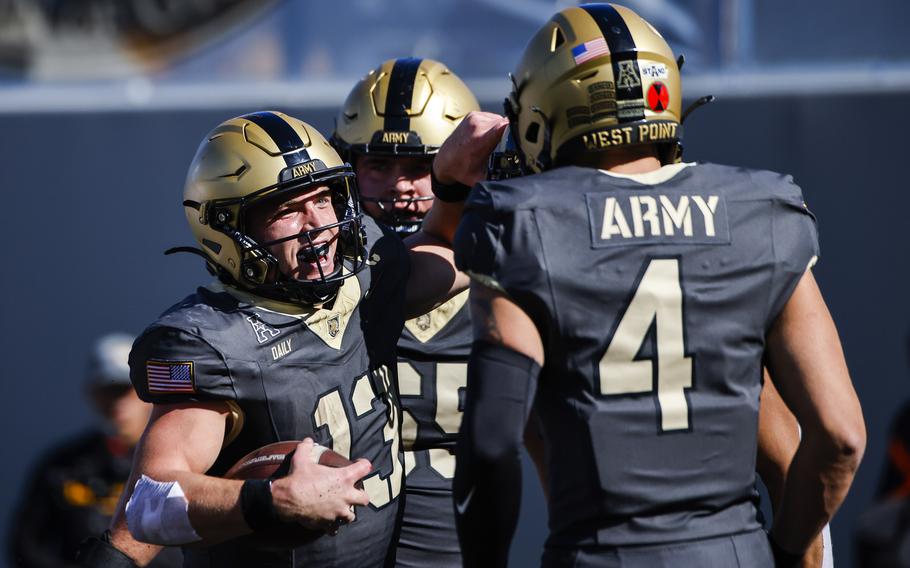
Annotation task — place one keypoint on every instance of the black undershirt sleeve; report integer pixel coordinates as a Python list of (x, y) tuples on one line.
[(487, 486)]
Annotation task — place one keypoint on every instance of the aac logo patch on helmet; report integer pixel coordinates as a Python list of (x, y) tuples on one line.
[(628, 75)]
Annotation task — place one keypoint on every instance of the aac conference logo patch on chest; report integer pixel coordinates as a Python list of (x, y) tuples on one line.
[(263, 332)]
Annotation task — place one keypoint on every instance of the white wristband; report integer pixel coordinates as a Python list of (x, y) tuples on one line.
[(158, 513)]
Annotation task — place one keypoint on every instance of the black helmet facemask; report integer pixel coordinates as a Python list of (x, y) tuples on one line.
[(259, 270)]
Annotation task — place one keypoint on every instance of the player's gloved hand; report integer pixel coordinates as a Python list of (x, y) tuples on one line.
[(316, 496), (464, 156), (97, 552)]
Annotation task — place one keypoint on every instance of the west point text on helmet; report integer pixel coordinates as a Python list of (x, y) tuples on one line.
[(638, 134)]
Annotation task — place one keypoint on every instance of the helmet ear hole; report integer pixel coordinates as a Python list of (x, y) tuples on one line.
[(532, 132), (557, 40)]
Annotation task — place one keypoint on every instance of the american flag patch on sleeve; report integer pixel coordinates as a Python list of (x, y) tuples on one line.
[(170, 376)]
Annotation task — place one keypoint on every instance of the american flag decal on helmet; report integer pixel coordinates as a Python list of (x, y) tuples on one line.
[(170, 376), (589, 50)]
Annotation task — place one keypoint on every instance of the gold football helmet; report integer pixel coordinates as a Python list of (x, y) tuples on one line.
[(594, 77), (257, 157), (404, 107)]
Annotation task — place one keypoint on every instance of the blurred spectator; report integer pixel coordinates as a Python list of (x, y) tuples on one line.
[(883, 531), (75, 487)]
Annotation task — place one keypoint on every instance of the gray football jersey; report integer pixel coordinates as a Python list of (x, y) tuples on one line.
[(432, 373), (327, 374), (653, 302)]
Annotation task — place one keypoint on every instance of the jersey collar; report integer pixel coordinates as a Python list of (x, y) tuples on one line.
[(662, 175), (328, 323)]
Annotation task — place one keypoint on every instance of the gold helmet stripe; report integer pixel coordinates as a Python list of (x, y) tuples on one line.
[(400, 93), (624, 58), (285, 137)]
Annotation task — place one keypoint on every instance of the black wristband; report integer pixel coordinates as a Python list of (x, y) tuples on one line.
[(256, 504), (448, 192), (97, 552), (784, 558)]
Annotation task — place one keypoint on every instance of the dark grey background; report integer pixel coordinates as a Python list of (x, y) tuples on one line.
[(83, 240)]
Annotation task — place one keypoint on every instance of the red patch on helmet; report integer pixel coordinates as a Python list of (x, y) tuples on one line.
[(658, 97)]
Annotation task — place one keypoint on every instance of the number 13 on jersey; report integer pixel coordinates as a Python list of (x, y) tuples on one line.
[(657, 302)]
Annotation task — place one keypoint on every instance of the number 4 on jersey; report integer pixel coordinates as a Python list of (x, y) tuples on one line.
[(657, 301)]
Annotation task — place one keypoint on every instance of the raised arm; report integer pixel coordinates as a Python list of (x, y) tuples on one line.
[(805, 358), (461, 161)]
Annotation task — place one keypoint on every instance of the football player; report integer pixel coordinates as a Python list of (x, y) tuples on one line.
[(296, 340), (638, 296), (390, 128)]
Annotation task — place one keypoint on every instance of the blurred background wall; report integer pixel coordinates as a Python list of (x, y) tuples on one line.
[(103, 102)]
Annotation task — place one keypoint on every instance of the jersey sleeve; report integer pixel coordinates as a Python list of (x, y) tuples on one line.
[(478, 247), (392, 247), (795, 242), (383, 305), (169, 365), (498, 244)]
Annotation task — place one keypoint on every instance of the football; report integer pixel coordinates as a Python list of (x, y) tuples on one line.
[(272, 462)]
